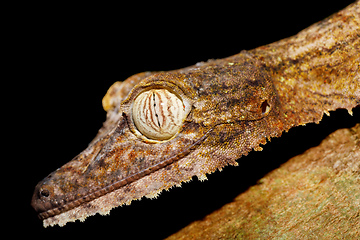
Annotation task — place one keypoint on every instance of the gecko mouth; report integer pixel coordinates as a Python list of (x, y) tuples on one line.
[(49, 209)]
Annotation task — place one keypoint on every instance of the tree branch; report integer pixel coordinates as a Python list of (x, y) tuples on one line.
[(313, 195)]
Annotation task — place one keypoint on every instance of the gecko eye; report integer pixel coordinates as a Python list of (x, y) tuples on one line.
[(158, 114)]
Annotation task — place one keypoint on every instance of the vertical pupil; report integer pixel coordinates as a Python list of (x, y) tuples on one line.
[(156, 115)]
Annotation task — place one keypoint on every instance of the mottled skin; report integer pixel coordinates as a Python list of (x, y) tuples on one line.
[(234, 105)]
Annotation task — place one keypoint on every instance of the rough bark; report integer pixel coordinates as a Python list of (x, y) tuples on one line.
[(315, 195)]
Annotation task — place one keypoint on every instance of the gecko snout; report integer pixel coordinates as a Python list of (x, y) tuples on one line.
[(44, 199), (41, 199)]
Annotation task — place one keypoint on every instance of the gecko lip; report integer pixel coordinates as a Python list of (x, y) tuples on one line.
[(46, 205)]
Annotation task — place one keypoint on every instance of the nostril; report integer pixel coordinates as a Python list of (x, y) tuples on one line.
[(44, 193)]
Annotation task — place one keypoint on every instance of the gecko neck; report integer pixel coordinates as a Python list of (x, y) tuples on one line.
[(317, 65)]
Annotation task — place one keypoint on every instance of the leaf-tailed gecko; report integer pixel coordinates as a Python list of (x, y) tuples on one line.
[(163, 128)]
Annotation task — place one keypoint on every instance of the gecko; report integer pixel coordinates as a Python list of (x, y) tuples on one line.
[(164, 128)]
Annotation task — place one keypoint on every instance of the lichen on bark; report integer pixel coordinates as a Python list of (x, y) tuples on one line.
[(315, 195)]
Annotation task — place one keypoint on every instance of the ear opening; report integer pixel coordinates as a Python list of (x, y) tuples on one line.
[(265, 107)]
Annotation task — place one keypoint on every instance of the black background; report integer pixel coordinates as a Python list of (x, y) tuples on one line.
[(67, 56)]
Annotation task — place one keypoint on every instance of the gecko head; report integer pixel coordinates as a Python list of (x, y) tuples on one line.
[(147, 133), (170, 127)]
